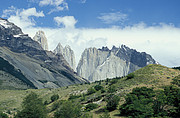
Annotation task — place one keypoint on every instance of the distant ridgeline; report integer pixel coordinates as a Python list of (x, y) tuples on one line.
[(176, 68)]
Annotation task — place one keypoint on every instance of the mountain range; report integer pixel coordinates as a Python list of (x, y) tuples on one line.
[(99, 64), (27, 63)]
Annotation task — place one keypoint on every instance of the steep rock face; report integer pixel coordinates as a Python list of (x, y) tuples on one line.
[(67, 53), (98, 64), (27, 61), (41, 39), (90, 60)]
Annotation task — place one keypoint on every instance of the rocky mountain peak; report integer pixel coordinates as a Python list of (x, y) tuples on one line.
[(41, 39), (9, 28), (98, 64), (30, 65), (68, 47), (104, 49), (4, 23), (58, 49), (67, 53)]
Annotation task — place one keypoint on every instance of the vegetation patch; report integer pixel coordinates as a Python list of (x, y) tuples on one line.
[(148, 94)]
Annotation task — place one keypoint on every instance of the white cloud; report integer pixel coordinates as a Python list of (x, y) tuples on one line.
[(66, 21), (162, 42), (7, 12), (114, 17), (22, 17), (58, 5), (31, 12), (83, 1)]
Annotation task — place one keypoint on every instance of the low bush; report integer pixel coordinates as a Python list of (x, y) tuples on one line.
[(3, 115), (112, 103), (54, 97), (98, 87), (91, 106), (130, 76), (74, 96), (91, 91)]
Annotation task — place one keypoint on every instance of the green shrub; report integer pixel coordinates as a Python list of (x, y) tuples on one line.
[(178, 68), (98, 87), (112, 89), (139, 103), (54, 97), (46, 102), (113, 103), (176, 81), (83, 97), (33, 107), (3, 115), (103, 90), (91, 91), (74, 96), (91, 106), (68, 110), (113, 81), (144, 102), (130, 76), (56, 105)]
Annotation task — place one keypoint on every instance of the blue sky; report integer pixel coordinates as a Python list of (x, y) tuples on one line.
[(150, 12), (152, 26)]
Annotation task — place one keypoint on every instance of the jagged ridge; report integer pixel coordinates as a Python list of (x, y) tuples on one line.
[(67, 53), (42, 68), (98, 64)]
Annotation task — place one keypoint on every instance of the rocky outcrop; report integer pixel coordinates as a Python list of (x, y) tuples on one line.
[(67, 53), (23, 59), (99, 64), (41, 39)]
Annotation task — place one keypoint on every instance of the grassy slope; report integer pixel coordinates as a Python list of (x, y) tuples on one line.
[(154, 76)]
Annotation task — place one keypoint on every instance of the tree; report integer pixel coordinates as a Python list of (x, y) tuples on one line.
[(173, 98), (160, 102), (68, 110), (139, 103), (98, 87), (144, 102), (113, 81), (54, 97), (3, 115), (113, 103), (176, 81), (32, 107), (91, 91), (91, 106), (112, 89), (130, 76), (73, 96)]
